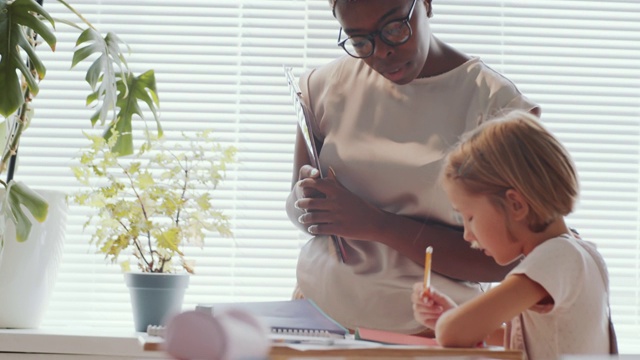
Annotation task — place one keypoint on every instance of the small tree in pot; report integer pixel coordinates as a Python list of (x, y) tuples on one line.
[(151, 205), (156, 201)]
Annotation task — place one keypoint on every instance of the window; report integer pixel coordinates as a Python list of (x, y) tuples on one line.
[(219, 65)]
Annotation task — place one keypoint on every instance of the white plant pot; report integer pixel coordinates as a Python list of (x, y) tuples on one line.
[(28, 270)]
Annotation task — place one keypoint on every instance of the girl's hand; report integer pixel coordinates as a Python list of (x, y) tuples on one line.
[(338, 212), (428, 307)]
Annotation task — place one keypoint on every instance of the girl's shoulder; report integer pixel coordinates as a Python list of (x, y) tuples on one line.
[(562, 265), (555, 250)]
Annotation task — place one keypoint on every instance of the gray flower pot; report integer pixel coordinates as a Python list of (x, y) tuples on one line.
[(155, 297)]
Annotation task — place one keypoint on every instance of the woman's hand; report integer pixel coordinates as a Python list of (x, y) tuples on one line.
[(301, 188), (429, 306), (338, 211)]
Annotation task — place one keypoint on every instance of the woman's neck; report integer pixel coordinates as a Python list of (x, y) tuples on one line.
[(442, 58)]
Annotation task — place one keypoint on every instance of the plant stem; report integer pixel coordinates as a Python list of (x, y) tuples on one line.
[(77, 13), (14, 138), (146, 217), (12, 166), (18, 127), (137, 244), (183, 195)]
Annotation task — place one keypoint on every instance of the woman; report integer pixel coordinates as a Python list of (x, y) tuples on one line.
[(385, 114)]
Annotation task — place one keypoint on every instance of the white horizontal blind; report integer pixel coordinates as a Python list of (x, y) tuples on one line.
[(219, 66)]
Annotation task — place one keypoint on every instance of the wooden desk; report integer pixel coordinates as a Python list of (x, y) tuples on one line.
[(283, 352), (389, 353), (95, 345)]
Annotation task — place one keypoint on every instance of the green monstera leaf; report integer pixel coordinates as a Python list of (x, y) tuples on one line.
[(102, 73), (16, 17), (115, 88), (131, 90), (18, 195)]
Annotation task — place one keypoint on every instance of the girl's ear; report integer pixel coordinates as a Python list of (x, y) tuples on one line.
[(517, 207)]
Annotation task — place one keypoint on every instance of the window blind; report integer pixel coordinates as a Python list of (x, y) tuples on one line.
[(219, 66)]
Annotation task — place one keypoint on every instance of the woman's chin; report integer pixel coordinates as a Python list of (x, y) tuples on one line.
[(399, 76)]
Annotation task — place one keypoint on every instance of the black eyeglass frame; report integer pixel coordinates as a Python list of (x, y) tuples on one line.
[(371, 36)]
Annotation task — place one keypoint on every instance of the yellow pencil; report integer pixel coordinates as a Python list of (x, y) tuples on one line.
[(427, 269)]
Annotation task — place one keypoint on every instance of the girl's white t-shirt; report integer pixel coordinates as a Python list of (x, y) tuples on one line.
[(577, 322)]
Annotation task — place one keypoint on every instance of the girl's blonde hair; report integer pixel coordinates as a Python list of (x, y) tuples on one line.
[(516, 152)]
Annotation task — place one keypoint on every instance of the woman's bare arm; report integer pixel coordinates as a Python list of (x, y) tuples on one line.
[(356, 219), (452, 255)]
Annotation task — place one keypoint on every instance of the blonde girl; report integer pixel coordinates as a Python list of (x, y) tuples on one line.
[(512, 183)]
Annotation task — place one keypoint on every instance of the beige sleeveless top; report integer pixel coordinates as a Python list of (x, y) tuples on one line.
[(386, 142)]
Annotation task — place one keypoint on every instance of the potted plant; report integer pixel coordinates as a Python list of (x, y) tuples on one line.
[(150, 206), (115, 92)]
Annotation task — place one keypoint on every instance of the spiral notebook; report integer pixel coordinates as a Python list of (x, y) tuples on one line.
[(294, 317)]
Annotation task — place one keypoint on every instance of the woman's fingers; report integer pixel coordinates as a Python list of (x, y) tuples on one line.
[(305, 187), (308, 171)]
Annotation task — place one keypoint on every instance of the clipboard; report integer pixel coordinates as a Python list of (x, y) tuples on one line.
[(303, 115)]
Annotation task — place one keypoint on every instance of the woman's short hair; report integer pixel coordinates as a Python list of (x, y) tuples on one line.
[(333, 3), (516, 152)]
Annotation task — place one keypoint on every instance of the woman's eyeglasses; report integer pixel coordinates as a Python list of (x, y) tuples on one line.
[(393, 33)]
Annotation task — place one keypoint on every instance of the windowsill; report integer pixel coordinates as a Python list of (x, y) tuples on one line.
[(77, 341)]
